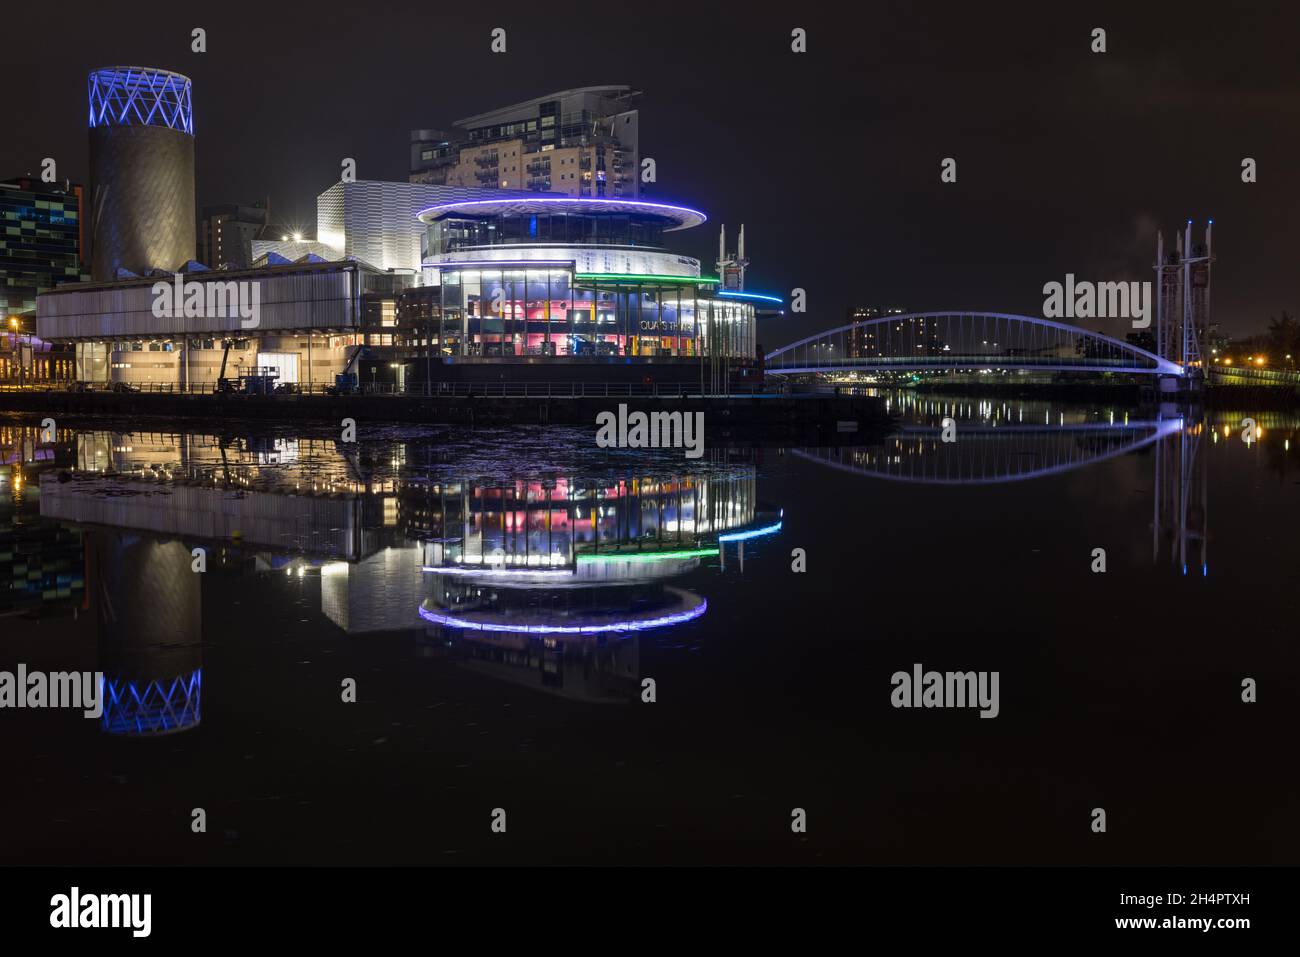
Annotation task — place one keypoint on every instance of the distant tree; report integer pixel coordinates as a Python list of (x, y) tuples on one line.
[(1283, 338)]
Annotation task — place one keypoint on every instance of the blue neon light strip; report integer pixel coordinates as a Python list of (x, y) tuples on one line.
[(762, 297), (451, 621), (753, 533)]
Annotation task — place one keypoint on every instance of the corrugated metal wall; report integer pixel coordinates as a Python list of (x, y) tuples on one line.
[(294, 301), (323, 527)]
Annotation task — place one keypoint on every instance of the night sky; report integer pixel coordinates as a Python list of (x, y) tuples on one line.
[(1067, 160)]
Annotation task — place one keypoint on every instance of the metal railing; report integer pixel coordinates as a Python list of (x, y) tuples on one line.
[(1247, 374), (459, 390)]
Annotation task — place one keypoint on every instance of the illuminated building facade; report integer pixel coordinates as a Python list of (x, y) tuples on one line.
[(42, 244), (42, 240), (548, 279), (142, 171), (313, 319)]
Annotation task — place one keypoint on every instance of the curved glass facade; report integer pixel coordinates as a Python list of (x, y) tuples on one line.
[(522, 311), (458, 233), (570, 280)]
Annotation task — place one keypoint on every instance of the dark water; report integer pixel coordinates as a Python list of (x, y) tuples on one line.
[(445, 572)]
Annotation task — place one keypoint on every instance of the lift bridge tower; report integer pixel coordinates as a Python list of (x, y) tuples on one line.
[(1183, 300)]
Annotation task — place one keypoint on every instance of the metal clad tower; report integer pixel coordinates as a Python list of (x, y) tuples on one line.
[(141, 170)]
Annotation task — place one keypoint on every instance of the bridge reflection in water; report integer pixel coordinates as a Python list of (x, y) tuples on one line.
[(984, 454), (989, 452)]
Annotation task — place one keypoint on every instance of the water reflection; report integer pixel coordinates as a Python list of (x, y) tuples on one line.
[(545, 578), (555, 578), (989, 454), (532, 557), (148, 605), (549, 582), (997, 441)]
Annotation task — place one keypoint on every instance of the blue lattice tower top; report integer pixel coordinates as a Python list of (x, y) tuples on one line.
[(140, 96)]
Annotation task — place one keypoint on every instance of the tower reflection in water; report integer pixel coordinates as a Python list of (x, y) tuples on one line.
[(548, 579), (148, 606), (545, 580)]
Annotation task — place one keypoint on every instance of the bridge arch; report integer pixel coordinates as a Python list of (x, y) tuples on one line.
[(915, 341), (991, 455)]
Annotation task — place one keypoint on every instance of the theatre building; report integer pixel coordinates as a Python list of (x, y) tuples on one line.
[(538, 288), (567, 288)]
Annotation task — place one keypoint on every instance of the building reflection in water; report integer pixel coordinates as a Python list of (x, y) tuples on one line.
[(42, 563), (550, 583), (546, 581)]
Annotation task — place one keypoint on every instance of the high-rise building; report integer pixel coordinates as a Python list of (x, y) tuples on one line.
[(141, 171), (226, 234), (580, 142), (42, 244), (42, 240), (919, 334)]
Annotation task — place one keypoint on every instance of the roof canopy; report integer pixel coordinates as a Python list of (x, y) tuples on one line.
[(675, 217)]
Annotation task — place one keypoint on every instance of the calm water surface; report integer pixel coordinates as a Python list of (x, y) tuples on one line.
[(500, 596)]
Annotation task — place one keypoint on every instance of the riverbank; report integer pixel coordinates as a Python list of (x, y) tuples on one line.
[(1121, 393), (807, 419), (1102, 393)]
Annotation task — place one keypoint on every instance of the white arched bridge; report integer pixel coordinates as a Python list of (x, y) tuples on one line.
[(944, 341)]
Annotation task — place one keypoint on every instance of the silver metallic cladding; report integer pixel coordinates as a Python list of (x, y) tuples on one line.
[(142, 199), (318, 300)]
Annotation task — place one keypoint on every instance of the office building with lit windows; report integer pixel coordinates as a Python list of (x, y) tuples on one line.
[(42, 240), (226, 234), (42, 243)]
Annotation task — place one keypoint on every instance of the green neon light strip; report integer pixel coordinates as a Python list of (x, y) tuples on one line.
[(633, 277), (650, 556)]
